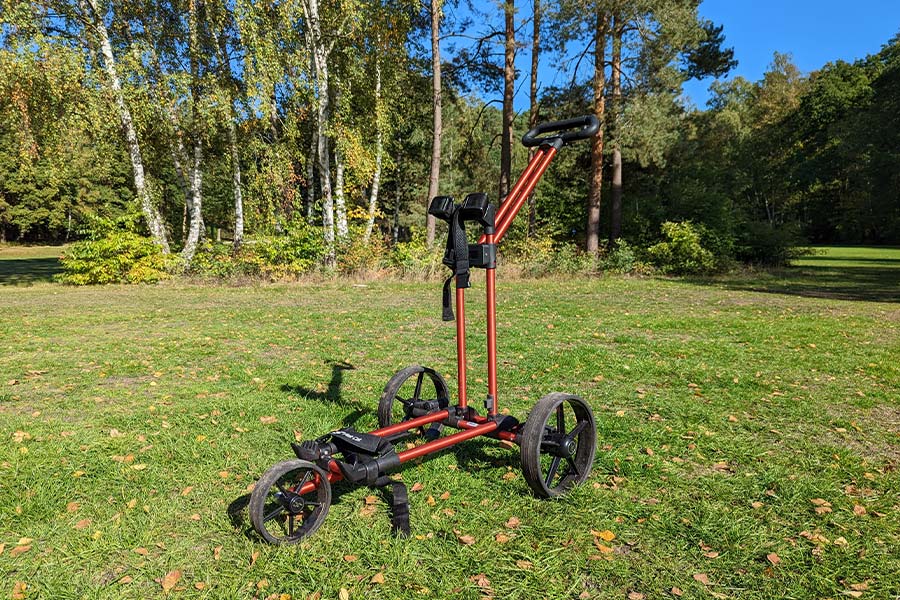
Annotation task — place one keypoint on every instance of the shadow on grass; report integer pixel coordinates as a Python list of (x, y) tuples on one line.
[(859, 283), (27, 271), (332, 393)]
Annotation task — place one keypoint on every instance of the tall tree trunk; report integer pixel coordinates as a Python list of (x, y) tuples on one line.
[(509, 88), (379, 151), (434, 177), (340, 204), (238, 238), (236, 185), (320, 59), (311, 178), (195, 208), (533, 100), (615, 220), (592, 241), (151, 215)]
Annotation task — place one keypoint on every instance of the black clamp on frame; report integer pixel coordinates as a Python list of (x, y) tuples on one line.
[(459, 255)]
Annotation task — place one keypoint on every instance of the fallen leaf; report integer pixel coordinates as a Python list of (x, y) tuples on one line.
[(732, 419), (466, 540), (853, 593), (19, 550), (512, 523), (859, 510), (262, 584), (199, 586), (126, 580), (224, 474), (187, 490), (351, 558), (194, 517), (676, 591), (702, 578), (371, 499), (268, 420), (115, 433), (756, 504), (603, 549), (2, 548), (18, 591), (82, 524), (501, 538), (343, 594), (509, 475), (859, 587), (139, 467), (841, 541), (377, 578), (253, 558), (445, 496), (170, 580), (773, 558), (606, 535), (72, 507), (635, 596), (417, 487), (524, 564), (141, 551), (430, 501), (822, 510), (217, 552), (820, 502), (711, 554)]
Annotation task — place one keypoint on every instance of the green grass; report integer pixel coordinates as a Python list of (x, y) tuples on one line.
[(25, 265), (722, 413)]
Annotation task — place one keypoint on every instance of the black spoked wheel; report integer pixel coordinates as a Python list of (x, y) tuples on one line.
[(558, 444), (406, 387), (281, 511)]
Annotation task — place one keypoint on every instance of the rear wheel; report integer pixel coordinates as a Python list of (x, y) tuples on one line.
[(558, 443), (406, 387), (281, 511)]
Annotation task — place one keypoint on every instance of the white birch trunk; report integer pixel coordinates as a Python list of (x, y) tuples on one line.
[(340, 205), (152, 216), (320, 59), (379, 151), (311, 179), (236, 183), (195, 206), (434, 177)]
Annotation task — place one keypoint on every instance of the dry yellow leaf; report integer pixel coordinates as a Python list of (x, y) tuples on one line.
[(606, 535), (430, 501), (445, 496), (513, 522), (187, 490), (217, 552), (268, 420), (377, 578), (466, 540), (524, 564), (82, 524), (126, 580), (351, 557), (199, 586), (343, 594), (417, 487), (18, 591), (702, 578), (677, 591), (141, 551), (773, 558), (72, 506), (859, 510), (501, 538), (19, 550), (170, 580)]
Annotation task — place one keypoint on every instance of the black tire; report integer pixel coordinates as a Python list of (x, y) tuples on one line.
[(275, 515), (560, 431), (392, 408)]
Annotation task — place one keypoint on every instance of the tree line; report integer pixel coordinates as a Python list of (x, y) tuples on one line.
[(220, 120)]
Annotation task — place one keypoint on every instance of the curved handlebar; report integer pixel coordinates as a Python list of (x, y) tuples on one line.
[(588, 123)]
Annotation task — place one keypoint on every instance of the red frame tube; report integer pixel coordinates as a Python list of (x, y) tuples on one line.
[(491, 293), (447, 441), (461, 346)]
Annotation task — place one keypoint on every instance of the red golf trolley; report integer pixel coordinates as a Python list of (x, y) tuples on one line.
[(557, 441)]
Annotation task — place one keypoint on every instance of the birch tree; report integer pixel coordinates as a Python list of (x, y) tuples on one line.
[(437, 121)]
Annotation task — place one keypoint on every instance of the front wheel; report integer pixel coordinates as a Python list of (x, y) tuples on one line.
[(290, 502), (558, 444)]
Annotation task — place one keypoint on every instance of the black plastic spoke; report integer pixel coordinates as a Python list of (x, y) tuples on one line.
[(290, 524), (577, 429), (418, 391), (573, 466), (306, 476), (560, 420), (273, 514), (554, 467)]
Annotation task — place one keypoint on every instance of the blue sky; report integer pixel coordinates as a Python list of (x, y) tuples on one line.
[(814, 32)]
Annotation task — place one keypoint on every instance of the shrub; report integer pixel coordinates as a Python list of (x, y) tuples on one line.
[(621, 259), (761, 243), (116, 257), (413, 258), (682, 252), (296, 251), (357, 257)]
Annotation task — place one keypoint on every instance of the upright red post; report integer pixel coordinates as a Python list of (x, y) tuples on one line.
[(461, 346), (491, 333)]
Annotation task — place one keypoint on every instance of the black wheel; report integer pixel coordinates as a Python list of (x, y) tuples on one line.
[(407, 386), (558, 444), (279, 512)]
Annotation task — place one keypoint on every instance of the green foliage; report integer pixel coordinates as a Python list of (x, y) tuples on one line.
[(115, 257), (761, 243), (623, 258), (682, 252), (414, 258), (298, 250)]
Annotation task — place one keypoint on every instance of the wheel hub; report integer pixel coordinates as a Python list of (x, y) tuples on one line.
[(567, 447), (293, 503)]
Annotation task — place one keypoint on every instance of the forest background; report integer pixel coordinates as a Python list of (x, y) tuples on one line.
[(275, 138)]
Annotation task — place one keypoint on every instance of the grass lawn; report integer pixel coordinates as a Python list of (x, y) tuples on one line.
[(749, 438)]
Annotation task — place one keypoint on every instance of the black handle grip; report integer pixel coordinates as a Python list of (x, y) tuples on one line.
[(589, 126)]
